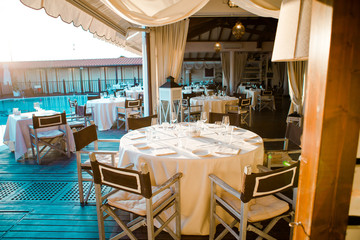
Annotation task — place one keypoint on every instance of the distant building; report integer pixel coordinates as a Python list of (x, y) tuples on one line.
[(68, 76)]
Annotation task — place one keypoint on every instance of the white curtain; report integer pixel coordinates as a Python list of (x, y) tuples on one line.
[(155, 12), (167, 53), (240, 60), (264, 8), (297, 72), (225, 64)]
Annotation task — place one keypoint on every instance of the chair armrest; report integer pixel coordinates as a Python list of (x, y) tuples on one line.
[(262, 168), (168, 183), (109, 140), (224, 185), (128, 166), (98, 152), (275, 139)]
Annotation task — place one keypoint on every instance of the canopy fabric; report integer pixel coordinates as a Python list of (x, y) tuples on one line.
[(264, 8), (154, 13), (92, 16), (225, 63)]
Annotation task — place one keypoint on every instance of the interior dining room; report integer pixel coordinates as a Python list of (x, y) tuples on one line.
[(183, 146)]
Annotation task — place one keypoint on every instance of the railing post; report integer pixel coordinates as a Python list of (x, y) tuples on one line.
[(64, 85), (99, 83)]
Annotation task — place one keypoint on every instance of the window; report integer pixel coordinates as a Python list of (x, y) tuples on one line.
[(209, 72)]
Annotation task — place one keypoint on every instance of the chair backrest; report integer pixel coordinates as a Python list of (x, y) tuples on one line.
[(266, 93), (136, 123), (49, 121), (80, 110), (129, 180), (85, 136), (185, 102), (245, 102), (293, 133), (267, 183), (93, 97), (132, 103), (235, 118)]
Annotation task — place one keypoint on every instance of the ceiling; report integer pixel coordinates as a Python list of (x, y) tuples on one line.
[(208, 30)]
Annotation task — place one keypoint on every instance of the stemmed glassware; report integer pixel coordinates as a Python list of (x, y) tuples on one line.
[(226, 121), (173, 118), (37, 106)]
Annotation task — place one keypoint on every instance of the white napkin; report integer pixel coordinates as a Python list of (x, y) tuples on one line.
[(135, 135), (164, 151), (227, 151)]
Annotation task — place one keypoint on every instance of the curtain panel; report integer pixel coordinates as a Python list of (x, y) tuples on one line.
[(240, 60), (167, 53), (297, 72), (225, 64)]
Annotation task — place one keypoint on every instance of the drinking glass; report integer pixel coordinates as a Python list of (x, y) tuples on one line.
[(173, 118), (203, 117), (226, 121), (37, 106)]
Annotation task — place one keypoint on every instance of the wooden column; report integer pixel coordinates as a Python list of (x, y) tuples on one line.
[(332, 119)]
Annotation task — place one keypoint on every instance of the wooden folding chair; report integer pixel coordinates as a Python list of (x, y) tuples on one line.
[(47, 133), (255, 202), (132, 108), (86, 142), (133, 193)]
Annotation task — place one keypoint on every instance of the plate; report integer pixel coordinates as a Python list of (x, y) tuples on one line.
[(201, 152)]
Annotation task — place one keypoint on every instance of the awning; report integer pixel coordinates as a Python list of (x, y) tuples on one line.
[(95, 17)]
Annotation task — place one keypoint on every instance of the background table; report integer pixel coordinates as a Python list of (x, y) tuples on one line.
[(213, 103), (134, 93), (104, 111), (195, 184), (17, 135)]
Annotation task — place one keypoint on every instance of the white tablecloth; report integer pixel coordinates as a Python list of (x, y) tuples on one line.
[(104, 111), (214, 104), (17, 135), (253, 94), (134, 93), (195, 184)]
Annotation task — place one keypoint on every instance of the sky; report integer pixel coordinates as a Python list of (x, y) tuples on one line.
[(32, 35)]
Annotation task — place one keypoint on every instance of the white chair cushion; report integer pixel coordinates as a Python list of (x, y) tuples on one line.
[(50, 134), (261, 208), (136, 203), (103, 158)]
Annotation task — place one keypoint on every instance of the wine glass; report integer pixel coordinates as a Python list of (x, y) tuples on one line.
[(226, 121), (173, 118)]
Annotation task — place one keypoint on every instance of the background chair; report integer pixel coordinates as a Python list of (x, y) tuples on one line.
[(81, 118), (280, 150), (86, 141), (266, 100), (133, 193), (136, 123), (235, 119), (132, 108), (54, 137), (244, 109), (191, 112), (255, 203)]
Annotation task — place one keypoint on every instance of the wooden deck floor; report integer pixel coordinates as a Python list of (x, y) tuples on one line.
[(41, 201)]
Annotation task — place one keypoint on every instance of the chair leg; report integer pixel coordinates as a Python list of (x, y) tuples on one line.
[(100, 216), (150, 219), (212, 209)]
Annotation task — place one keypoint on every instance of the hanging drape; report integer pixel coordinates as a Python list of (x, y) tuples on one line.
[(297, 79), (155, 12), (167, 53), (264, 8), (225, 64), (240, 60), (278, 69)]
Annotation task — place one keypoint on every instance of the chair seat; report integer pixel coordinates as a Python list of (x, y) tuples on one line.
[(131, 113), (261, 208), (278, 157), (73, 124), (50, 134), (136, 203), (103, 158)]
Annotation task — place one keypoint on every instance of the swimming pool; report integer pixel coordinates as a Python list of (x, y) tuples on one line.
[(56, 103)]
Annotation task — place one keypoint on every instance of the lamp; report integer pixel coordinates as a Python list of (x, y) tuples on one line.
[(238, 30), (217, 47)]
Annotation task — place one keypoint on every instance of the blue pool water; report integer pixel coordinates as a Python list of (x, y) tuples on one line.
[(56, 103)]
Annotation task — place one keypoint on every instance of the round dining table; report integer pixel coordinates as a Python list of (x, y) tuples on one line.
[(213, 103), (104, 111), (196, 151)]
